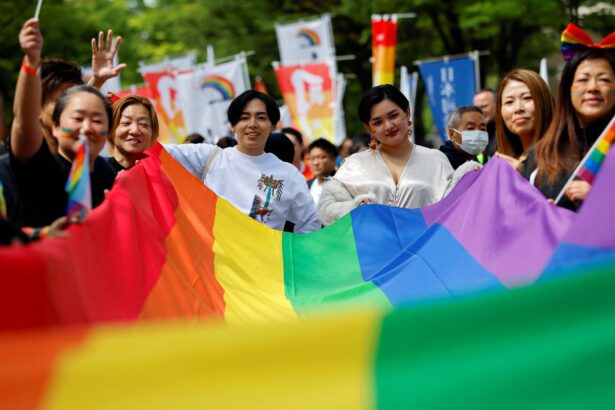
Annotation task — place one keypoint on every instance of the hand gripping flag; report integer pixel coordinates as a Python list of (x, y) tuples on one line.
[(590, 165)]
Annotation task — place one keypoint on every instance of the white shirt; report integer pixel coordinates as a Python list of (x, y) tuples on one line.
[(423, 181), (316, 189), (262, 186)]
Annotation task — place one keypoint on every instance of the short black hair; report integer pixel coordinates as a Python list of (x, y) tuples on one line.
[(65, 97), (279, 145), (326, 146), (226, 142), (376, 95), (194, 138), (294, 132), (237, 106), (55, 73)]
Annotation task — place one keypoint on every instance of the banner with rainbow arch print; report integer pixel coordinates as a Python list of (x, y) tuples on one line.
[(206, 93), (306, 41)]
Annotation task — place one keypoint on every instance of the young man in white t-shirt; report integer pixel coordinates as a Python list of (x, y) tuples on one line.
[(255, 182)]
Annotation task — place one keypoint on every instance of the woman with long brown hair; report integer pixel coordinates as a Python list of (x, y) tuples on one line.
[(585, 105), (524, 109)]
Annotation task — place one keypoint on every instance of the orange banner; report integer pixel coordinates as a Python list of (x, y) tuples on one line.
[(163, 88), (384, 41), (307, 91)]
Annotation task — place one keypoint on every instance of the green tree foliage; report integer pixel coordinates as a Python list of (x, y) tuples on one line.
[(514, 32)]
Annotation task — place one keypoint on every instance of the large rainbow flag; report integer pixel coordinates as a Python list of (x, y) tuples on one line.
[(163, 246)]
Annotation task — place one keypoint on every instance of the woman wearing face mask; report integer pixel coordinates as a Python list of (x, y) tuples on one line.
[(467, 132), (394, 171), (41, 175), (585, 105), (524, 109)]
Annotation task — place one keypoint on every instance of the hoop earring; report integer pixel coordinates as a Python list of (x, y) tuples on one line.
[(372, 144)]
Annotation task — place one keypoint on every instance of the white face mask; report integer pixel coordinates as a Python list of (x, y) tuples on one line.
[(473, 141)]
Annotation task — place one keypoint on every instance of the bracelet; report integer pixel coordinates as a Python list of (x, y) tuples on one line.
[(31, 71)]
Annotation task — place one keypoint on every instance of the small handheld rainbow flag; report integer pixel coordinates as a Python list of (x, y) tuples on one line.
[(78, 183), (590, 165), (596, 155)]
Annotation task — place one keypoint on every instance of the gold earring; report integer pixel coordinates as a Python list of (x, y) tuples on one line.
[(373, 144)]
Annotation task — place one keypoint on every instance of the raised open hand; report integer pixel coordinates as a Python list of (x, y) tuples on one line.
[(31, 42), (103, 53)]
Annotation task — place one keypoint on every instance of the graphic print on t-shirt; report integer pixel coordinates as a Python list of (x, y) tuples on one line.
[(261, 208)]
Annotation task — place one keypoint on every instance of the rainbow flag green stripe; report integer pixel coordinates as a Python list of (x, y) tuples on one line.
[(305, 276)]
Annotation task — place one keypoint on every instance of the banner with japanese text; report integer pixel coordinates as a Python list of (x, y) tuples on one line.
[(384, 41), (305, 42), (307, 91), (449, 83), (205, 94)]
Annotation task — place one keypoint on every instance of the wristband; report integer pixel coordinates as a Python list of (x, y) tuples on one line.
[(31, 71), (36, 233)]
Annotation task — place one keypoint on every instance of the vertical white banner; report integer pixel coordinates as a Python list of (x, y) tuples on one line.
[(168, 64), (338, 109), (305, 42), (206, 93)]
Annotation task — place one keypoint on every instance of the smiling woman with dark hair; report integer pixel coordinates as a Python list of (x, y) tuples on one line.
[(40, 174), (585, 105), (394, 171), (257, 183), (524, 109)]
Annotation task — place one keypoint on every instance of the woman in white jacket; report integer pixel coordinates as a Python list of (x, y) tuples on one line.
[(394, 171)]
